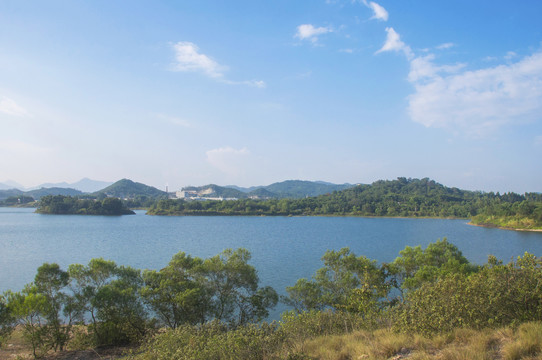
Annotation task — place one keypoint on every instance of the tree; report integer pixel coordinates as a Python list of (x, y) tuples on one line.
[(174, 294), (28, 307), (7, 320), (232, 285), (340, 283), (50, 282), (110, 295), (416, 266)]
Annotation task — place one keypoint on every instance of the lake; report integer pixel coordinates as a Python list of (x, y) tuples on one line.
[(283, 249)]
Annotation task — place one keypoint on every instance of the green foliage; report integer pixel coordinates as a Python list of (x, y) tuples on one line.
[(214, 341), (29, 308), (345, 282), (416, 266), (49, 282), (117, 299), (401, 197), (109, 294), (497, 295), (233, 288), (526, 214), (7, 321), (298, 326), (174, 293), (128, 189), (70, 205), (17, 200)]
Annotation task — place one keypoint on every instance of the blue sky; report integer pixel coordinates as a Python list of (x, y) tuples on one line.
[(254, 92)]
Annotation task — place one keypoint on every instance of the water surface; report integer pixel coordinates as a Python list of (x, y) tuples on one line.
[(283, 249)]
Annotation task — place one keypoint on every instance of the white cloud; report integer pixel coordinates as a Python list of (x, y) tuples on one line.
[(189, 58), (475, 102), (379, 12), (422, 67), (10, 107), (394, 43), (228, 160), (311, 33)]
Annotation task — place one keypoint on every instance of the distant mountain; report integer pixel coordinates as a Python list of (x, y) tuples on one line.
[(38, 193), (128, 189), (10, 184), (89, 186), (85, 185), (262, 193), (5, 187), (284, 189), (301, 188), (4, 194), (244, 189)]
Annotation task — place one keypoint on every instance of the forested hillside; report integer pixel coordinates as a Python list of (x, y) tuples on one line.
[(398, 198), (67, 205), (129, 189)]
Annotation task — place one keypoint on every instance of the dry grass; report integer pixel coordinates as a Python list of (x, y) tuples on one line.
[(522, 343), (462, 344)]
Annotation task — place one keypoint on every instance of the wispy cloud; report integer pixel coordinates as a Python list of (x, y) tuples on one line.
[(394, 43), (379, 13), (188, 58), (510, 55), (10, 107), (254, 83), (445, 46), (478, 101), (227, 159), (311, 33), (174, 120)]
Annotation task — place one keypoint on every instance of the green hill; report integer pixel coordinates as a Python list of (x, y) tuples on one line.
[(302, 188), (39, 193), (4, 194), (128, 189), (294, 189)]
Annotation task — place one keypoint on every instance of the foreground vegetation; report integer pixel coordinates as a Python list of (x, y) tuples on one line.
[(426, 303), (399, 198)]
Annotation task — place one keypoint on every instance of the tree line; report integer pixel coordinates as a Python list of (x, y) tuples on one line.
[(68, 205), (121, 305)]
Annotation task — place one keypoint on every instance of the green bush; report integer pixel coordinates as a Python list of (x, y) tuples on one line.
[(214, 340), (497, 295)]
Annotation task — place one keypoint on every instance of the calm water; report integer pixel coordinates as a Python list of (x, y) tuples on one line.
[(283, 249)]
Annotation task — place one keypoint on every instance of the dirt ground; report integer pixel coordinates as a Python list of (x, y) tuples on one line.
[(18, 351)]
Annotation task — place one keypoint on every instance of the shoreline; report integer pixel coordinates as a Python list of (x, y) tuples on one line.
[(491, 226)]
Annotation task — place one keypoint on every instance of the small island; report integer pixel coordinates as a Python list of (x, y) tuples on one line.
[(68, 205)]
